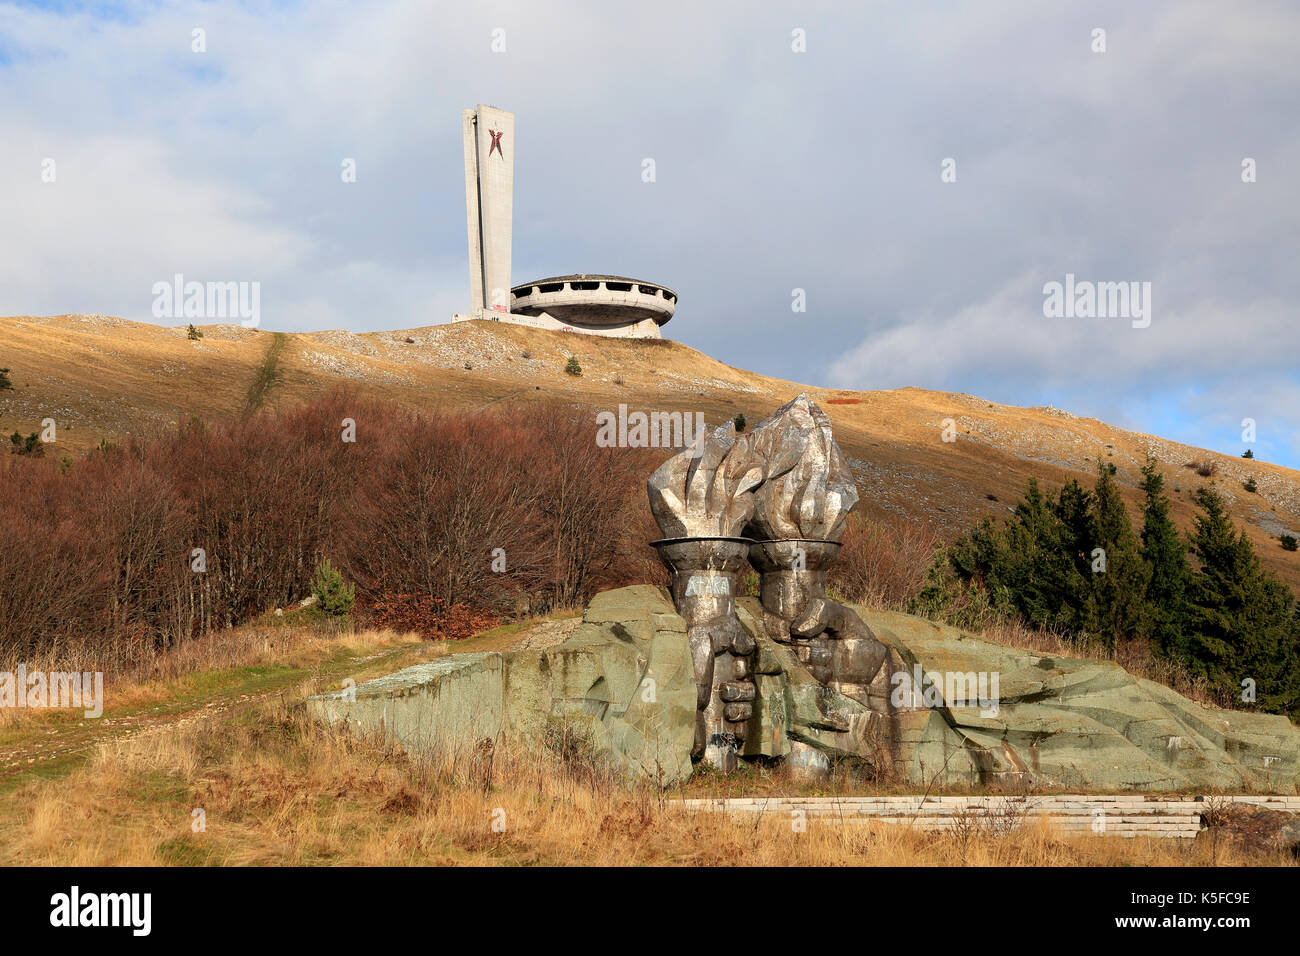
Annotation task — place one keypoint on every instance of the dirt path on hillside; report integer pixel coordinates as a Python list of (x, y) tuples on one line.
[(80, 739), (47, 750), (267, 374)]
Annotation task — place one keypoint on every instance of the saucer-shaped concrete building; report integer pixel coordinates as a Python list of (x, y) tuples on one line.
[(603, 304), (590, 303)]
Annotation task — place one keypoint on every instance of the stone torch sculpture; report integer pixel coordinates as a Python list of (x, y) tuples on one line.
[(798, 521), (701, 498), (778, 495)]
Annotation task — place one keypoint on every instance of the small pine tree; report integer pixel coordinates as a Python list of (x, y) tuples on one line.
[(1030, 566), (334, 598), (1114, 607), (31, 445), (1073, 509), (193, 333), (740, 422), (1247, 454), (1243, 619), (573, 367), (1166, 560), (4, 380)]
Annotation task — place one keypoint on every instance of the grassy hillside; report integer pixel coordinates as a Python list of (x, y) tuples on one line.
[(215, 762), (99, 376)]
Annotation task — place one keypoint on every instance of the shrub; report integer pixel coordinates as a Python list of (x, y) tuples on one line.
[(740, 422), (573, 367), (31, 445), (4, 380), (1249, 485), (1247, 454), (883, 564), (1289, 542), (430, 617), (442, 491), (1207, 469), (113, 583), (193, 334), (95, 559), (334, 598)]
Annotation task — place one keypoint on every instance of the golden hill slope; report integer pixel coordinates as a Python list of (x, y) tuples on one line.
[(98, 376)]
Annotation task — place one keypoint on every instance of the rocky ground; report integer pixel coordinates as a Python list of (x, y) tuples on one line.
[(547, 634)]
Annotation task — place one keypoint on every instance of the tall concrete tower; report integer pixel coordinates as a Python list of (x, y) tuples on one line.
[(591, 303), (489, 204)]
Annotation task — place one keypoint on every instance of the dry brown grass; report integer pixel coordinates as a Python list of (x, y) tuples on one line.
[(277, 789), (171, 673)]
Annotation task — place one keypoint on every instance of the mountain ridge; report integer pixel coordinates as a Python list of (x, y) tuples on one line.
[(101, 376)]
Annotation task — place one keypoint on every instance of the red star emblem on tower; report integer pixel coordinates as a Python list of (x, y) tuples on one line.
[(496, 143)]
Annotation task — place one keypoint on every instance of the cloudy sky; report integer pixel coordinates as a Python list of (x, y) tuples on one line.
[(775, 170)]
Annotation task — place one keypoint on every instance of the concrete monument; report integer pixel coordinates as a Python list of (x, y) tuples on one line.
[(662, 681), (595, 304), (778, 496)]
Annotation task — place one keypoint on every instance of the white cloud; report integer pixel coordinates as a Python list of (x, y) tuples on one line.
[(776, 170)]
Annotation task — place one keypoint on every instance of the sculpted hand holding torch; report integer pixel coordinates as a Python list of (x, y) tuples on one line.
[(779, 495)]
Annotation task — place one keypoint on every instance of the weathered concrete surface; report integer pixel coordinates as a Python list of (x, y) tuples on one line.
[(1066, 722), (1255, 823), (626, 674), (624, 678), (1055, 722), (596, 303), (463, 691), (489, 135)]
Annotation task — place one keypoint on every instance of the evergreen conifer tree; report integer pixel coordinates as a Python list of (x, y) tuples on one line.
[(1165, 555), (1243, 620), (1115, 606)]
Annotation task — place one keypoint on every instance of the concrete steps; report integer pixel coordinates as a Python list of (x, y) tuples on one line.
[(1128, 815)]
